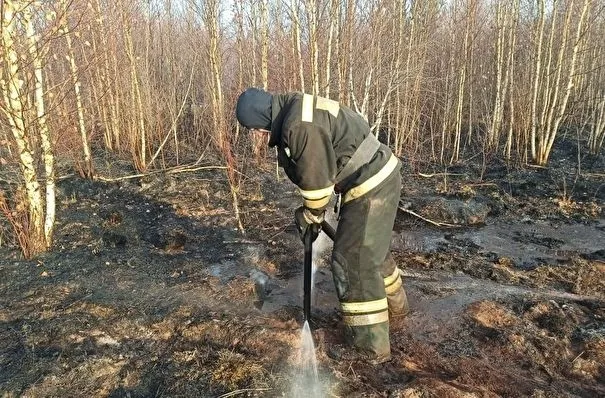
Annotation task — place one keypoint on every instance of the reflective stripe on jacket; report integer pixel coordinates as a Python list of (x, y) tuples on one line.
[(315, 137)]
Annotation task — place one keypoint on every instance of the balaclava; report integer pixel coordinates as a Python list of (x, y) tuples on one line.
[(253, 109)]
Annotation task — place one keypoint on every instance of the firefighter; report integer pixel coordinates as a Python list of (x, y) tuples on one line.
[(326, 148)]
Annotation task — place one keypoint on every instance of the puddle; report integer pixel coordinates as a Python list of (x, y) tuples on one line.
[(290, 293), (438, 300), (275, 293), (528, 245)]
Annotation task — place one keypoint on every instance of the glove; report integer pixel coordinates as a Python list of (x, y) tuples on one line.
[(308, 222)]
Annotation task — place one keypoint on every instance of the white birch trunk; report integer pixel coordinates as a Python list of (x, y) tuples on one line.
[(297, 43), (14, 96), (311, 8), (137, 137), (562, 106), (75, 79), (509, 76), (536, 78), (264, 14), (333, 20), (43, 131)]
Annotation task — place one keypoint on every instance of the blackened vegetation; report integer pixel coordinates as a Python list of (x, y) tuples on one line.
[(150, 290)]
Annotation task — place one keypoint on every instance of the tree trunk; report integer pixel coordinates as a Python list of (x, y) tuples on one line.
[(539, 34), (87, 169), (43, 130), (509, 75), (264, 65), (15, 97), (334, 5), (311, 8), (137, 137), (562, 105), (211, 18), (297, 44)]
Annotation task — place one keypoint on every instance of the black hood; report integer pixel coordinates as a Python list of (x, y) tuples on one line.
[(253, 109)]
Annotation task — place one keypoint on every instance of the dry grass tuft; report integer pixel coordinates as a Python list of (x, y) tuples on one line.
[(233, 370), (492, 315)]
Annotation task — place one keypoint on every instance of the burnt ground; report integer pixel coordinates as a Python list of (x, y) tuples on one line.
[(150, 290)]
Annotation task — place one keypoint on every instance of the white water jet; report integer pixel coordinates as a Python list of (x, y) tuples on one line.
[(307, 349), (320, 247), (305, 379)]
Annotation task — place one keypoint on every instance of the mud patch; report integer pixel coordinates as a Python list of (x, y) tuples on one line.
[(150, 290)]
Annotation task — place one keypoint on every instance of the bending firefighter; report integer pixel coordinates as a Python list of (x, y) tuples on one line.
[(326, 148)]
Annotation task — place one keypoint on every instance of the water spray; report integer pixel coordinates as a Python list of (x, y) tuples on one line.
[(307, 383)]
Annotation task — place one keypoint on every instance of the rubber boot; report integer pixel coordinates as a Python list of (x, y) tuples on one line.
[(370, 342), (398, 303), (365, 315), (393, 284)]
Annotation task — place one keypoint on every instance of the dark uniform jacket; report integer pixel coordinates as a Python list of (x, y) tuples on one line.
[(315, 138)]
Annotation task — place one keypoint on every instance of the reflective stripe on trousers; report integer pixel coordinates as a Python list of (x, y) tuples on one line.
[(361, 246), (393, 282), (364, 313)]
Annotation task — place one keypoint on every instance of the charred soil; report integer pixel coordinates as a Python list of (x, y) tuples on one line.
[(150, 289)]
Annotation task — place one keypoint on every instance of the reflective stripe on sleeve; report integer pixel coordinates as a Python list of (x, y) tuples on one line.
[(317, 193), (366, 319), (307, 108), (365, 306), (316, 203), (373, 181), (318, 198)]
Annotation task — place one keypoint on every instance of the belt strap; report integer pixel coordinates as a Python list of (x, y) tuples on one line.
[(362, 155), (372, 182)]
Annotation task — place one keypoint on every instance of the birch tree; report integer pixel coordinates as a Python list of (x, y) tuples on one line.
[(312, 29), (17, 23), (361, 73), (296, 39), (415, 30), (107, 79), (448, 89), (509, 75), (137, 133), (464, 70), (210, 11), (594, 113), (238, 18), (333, 26), (259, 144), (33, 42), (264, 22), (87, 169), (558, 78), (392, 59)]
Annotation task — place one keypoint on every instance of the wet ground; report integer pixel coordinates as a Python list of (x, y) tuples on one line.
[(151, 290)]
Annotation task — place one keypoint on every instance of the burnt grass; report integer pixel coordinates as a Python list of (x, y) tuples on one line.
[(151, 290)]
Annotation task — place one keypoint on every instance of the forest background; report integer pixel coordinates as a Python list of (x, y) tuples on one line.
[(156, 81)]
